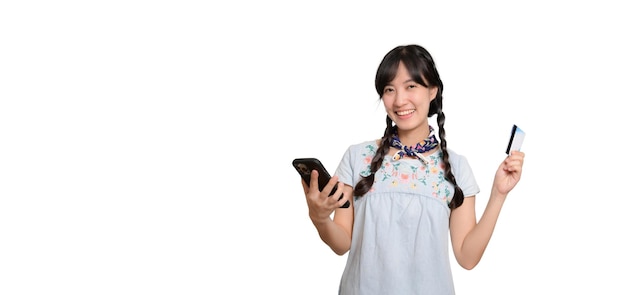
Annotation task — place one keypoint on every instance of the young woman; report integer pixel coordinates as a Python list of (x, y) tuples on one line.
[(408, 190)]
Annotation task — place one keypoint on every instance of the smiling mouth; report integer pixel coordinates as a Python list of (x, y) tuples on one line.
[(404, 113)]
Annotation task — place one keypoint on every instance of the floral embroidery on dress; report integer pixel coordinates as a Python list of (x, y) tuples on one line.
[(402, 174), (367, 158)]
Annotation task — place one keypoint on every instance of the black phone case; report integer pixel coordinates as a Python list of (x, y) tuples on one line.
[(304, 166)]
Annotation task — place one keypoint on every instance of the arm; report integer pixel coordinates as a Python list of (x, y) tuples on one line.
[(336, 232), (469, 238)]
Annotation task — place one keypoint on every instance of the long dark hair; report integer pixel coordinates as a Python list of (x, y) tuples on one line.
[(421, 67)]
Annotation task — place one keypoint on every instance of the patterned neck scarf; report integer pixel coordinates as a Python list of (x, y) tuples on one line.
[(414, 151)]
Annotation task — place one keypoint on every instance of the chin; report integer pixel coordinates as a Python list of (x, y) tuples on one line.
[(411, 125)]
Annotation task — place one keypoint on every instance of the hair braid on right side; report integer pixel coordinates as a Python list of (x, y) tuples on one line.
[(366, 183), (457, 199)]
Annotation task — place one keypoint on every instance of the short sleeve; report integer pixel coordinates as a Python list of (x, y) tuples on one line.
[(464, 175), (345, 170)]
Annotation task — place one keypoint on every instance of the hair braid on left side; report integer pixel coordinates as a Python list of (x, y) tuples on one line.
[(457, 199)]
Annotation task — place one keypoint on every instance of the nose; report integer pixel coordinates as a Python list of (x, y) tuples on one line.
[(400, 98)]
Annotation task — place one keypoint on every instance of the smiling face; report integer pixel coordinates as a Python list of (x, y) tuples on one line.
[(407, 103)]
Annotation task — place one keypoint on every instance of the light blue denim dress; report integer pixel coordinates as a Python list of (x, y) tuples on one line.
[(401, 226)]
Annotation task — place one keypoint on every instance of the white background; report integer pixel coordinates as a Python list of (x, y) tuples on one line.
[(146, 146)]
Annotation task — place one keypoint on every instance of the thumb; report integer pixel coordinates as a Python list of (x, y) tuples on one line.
[(314, 180)]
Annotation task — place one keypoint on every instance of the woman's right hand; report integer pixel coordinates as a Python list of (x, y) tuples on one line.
[(321, 204)]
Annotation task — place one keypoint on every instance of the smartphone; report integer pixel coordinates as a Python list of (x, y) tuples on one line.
[(305, 166), (516, 140)]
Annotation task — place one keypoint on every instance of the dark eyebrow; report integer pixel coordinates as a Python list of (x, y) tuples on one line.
[(407, 81)]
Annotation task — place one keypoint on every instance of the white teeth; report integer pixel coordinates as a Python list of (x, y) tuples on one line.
[(402, 113)]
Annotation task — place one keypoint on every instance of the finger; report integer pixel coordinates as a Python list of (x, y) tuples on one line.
[(338, 192), (314, 180), (329, 189), (513, 168), (513, 165), (517, 155), (339, 196)]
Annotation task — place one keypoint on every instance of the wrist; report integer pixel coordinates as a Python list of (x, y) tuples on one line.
[(319, 221), (498, 196)]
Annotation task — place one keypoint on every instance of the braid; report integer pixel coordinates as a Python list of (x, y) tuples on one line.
[(365, 184), (457, 199)]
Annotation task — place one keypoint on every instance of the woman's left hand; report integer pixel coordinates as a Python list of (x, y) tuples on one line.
[(509, 172)]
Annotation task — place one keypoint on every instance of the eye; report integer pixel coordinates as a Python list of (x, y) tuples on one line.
[(412, 86), (387, 90)]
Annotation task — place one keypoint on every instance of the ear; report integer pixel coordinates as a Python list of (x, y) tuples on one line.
[(432, 92)]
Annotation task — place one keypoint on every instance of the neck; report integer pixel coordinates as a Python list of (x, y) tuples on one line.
[(412, 137)]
